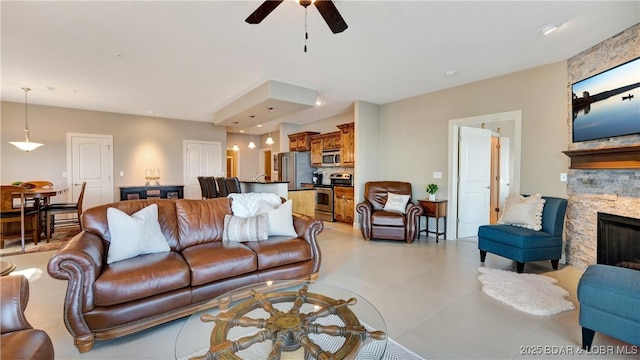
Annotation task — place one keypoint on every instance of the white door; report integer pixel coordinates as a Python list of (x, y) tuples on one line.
[(475, 180), (200, 159), (90, 159)]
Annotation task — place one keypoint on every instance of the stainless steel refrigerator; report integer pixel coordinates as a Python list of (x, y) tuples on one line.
[(295, 167)]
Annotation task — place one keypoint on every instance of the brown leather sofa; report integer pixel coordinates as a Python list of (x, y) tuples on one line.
[(107, 301), (19, 339), (376, 223)]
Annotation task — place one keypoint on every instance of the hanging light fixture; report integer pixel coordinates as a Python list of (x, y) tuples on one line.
[(235, 137), (252, 145), (25, 145), (269, 139)]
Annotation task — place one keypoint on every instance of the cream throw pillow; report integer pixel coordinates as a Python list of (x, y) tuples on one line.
[(240, 229), (134, 235), (396, 202), (523, 211), (280, 220)]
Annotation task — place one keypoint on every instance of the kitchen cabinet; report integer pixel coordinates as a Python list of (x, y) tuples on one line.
[(343, 200), (347, 148), (316, 151), (300, 141), (303, 201), (323, 142)]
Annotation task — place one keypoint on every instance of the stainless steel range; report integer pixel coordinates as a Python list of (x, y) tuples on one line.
[(324, 195)]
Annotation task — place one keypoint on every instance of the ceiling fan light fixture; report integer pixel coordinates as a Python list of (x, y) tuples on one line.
[(26, 145)]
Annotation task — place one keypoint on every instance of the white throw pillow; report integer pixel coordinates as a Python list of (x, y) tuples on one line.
[(238, 228), (248, 204), (280, 220), (134, 235), (523, 211), (396, 202)]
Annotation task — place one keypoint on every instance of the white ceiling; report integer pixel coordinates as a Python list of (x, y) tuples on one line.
[(189, 59)]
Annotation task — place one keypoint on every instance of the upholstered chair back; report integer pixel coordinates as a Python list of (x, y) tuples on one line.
[(376, 192)]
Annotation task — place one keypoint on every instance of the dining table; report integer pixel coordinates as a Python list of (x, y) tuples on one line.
[(40, 197)]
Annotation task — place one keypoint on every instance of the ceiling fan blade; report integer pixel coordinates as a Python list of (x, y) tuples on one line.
[(262, 11), (331, 15)]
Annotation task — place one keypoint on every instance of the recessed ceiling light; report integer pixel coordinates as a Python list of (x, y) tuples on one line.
[(259, 125), (450, 72), (318, 102), (241, 131), (547, 29)]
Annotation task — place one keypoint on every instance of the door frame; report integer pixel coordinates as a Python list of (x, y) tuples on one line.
[(454, 127), (109, 139)]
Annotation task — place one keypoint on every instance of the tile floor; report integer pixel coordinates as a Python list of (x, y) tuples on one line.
[(428, 294)]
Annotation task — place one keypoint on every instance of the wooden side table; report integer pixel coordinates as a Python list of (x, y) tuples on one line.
[(436, 209)]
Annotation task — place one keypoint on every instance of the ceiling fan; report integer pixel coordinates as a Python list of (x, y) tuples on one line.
[(326, 8)]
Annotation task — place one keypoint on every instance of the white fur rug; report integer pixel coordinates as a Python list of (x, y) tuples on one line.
[(531, 293)]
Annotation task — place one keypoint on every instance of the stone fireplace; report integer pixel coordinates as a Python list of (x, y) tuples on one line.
[(611, 190)]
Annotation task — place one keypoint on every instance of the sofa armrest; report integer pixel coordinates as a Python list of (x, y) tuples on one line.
[(308, 229), (365, 209), (81, 263), (14, 295)]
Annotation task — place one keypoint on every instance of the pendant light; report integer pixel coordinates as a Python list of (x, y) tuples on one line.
[(26, 145), (252, 145), (269, 139), (235, 137)]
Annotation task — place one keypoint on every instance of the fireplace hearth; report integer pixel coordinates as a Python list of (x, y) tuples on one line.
[(618, 240)]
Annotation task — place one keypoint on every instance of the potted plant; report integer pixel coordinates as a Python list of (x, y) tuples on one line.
[(431, 190)]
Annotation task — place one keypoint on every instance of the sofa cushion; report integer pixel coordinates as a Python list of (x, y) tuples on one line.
[(201, 221), (140, 277), (94, 220), (219, 260), (517, 236), (387, 218), (280, 250), (280, 220)]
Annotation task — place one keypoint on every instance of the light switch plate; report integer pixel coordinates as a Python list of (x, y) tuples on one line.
[(121, 173), (563, 177), (437, 175)]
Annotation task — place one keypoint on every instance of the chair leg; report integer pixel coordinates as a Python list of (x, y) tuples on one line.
[(519, 267), (483, 256), (554, 264), (49, 216), (35, 229), (587, 338)]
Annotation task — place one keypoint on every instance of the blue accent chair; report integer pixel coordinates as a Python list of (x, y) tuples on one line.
[(524, 245), (609, 298)]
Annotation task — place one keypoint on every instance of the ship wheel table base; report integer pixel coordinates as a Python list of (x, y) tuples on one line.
[(290, 330)]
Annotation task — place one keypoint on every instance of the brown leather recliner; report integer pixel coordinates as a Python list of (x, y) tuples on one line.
[(19, 339), (380, 224)]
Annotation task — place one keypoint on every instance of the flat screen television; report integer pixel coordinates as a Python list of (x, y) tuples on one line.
[(607, 104)]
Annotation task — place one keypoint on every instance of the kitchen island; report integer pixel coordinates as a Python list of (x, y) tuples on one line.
[(279, 188)]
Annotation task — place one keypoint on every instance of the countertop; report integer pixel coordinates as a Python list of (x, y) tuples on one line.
[(302, 189), (262, 182)]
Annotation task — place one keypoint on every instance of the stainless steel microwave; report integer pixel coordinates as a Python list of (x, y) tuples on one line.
[(331, 158)]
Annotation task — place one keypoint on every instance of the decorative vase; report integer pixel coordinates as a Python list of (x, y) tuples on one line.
[(432, 197)]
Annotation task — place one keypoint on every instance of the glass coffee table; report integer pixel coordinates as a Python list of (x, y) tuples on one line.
[(284, 320)]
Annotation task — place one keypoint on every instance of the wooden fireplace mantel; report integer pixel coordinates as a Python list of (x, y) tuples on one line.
[(614, 157)]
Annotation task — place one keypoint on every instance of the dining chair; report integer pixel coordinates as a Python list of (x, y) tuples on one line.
[(64, 208), (222, 187), (212, 189), (233, 185), (9, 213), (35, 203)]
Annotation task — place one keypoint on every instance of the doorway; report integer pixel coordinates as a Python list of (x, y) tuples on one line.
[(266, 165), (232, 163), (511, 124)]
